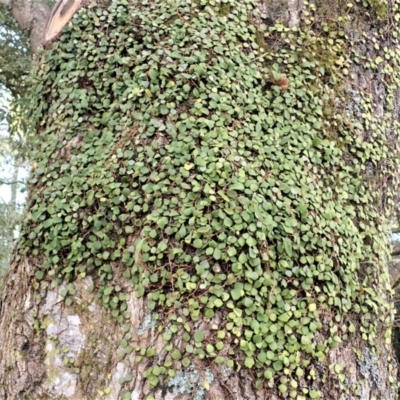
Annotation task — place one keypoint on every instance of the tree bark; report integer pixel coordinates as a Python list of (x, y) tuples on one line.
[(101, 303), (31, 16)]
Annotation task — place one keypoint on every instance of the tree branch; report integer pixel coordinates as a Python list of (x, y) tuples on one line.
[(31, 17), (11, 182)]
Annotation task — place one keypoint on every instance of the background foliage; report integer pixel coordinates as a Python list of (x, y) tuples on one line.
[(15, 65)]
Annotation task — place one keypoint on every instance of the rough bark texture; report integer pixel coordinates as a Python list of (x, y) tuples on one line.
[(31, 16), (77, 357), (53, 351)]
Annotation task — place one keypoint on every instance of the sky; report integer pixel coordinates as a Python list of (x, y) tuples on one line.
[(5, 190)]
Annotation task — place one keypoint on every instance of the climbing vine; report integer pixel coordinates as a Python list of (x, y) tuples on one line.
[(225, 168)]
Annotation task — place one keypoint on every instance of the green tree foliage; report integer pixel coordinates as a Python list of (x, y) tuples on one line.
[(15, 65), (10, 216), (15, 56), (210, 161), (12, 181)]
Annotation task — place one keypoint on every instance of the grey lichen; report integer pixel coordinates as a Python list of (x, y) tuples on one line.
[(354, 105), (191, 382), (147, 323), (65, 340), (368, 366)]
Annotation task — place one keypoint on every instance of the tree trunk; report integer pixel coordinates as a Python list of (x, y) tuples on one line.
[(208, 213), (31, 16)]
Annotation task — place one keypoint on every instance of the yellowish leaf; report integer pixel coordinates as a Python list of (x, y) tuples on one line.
[(188, 166)]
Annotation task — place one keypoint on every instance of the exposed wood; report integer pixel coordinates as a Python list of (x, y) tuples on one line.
[(61, 14)]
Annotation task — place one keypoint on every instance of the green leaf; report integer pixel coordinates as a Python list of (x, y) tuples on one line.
[(288, 246), (176, 355), (237, 186), (186, 362), (217, 253), (236, 294), (315, 394), (199, 336), (198, 243), (277, 365), (262, 357), (218, 303), (162, 222), (282, 388), (249, 362), (39, 275)]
